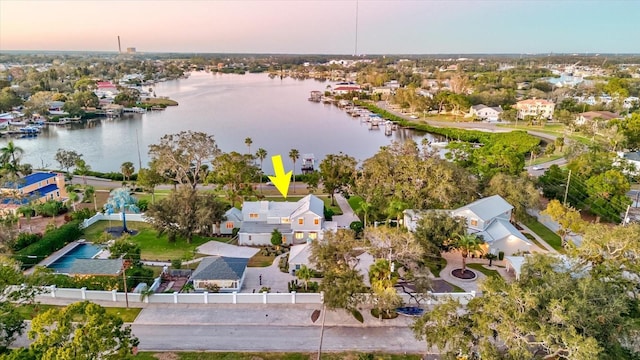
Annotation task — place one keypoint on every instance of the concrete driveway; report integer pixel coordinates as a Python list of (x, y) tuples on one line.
[(227, 250)]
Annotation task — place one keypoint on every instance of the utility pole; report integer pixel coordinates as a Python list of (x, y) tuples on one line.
[(566, 190), (124, 282), (625, 220)]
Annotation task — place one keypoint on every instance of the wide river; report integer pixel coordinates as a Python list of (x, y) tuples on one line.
[(274, 113)]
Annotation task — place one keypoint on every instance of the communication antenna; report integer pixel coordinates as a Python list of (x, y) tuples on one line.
[(355, 53)]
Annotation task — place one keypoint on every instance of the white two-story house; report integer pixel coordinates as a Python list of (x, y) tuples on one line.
[(298, 222), (488, 218)]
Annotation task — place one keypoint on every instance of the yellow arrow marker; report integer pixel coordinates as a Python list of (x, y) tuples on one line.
[(281, 180)]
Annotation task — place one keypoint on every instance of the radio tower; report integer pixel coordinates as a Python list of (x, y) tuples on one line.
[(355, 53), (119, 48)]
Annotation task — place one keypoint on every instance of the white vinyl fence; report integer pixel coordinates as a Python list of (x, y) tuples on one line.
[(115, 216), (226, 298)]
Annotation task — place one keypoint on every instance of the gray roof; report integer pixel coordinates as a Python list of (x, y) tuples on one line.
[(479, 107), (270, 208), (309, 203), (220, 268), (487, 208), (633, 156), (501, 229), (95, 267), (233, 214)]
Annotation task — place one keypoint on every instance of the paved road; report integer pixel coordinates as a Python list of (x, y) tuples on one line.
[(275, 338)]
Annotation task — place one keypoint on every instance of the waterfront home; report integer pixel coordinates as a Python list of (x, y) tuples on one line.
[(535, 107), (590, 117), (345, 89), (36, 187), (485, 113), (219, 273), (489, 218), (298, 222)]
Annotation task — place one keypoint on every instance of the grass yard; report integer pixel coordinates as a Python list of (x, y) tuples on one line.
[(153, 246), (482, 269), (436, 265), (270, 356), (547, 235), (259, 260), (28, 312), (534, 240)]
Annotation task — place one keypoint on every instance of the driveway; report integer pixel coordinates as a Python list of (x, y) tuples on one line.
[(270, 276), (348, 216), (227, 250)]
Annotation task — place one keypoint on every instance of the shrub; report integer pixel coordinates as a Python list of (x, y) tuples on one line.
[(501, 255), (25, 239), (143, 205), (52, 241), (176, 264), (328, 214), (82, 214)]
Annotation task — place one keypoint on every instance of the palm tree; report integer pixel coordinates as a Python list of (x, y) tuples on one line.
[(364, 208), (304, 274), (11, 154), (467, 243), (73, 195), (90, 193), (294, 155), (127, 170), (261, 154), (248, 142), (83, 169)]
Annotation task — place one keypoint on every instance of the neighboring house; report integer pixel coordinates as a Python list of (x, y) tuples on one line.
[(55, 108), (633, 158), (590, 117), (298, 222), (225, 273), (234, 221), (299, 256), (488, 218), (36, 187), (345, 89), (536, 108), (484, 112)]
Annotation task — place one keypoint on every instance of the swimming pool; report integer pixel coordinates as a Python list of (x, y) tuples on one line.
[(81, 251)]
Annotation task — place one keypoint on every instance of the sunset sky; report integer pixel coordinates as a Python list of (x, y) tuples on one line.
[(323, 27)]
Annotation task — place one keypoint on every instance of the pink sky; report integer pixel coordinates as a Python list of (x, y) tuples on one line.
[(322, 26)]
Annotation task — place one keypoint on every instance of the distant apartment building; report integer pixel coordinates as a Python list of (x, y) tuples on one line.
[(538, 108)]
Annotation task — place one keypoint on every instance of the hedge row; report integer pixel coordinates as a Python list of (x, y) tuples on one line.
[(50, 242)]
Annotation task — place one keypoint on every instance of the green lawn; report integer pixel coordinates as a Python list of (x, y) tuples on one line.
[(28, 312), (259, 260), (534, 240), (547, 235), (482, 269), (154, 247), (354, 202), (272, 356), (436, 265)]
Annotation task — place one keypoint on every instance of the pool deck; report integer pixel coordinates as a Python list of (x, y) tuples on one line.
[(56, 255)]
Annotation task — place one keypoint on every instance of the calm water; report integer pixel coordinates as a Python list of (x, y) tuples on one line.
[(81, 251), (274, 113)]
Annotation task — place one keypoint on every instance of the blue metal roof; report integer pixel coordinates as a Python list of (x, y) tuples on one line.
[(43, 191), (37, 177), (29, 180)]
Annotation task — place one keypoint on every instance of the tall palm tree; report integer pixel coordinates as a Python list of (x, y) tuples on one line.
[(467, 243), (294, 155), (90, 193), (248, 142), (11, 154), (127, 170), (364, 208), (261, 154), (83, 169), (304, 274), (10, 160)]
